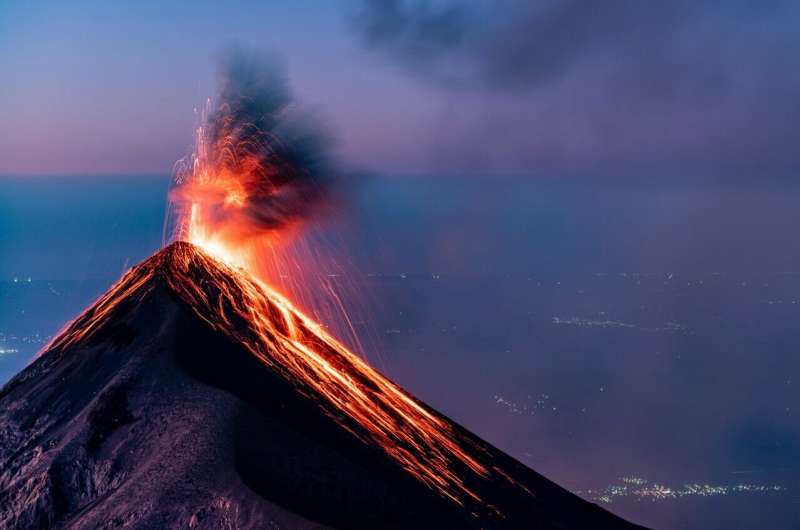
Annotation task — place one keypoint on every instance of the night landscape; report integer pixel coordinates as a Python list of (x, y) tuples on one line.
[(399, 264)]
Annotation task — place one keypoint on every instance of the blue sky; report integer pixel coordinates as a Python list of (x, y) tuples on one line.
[(698, 90)]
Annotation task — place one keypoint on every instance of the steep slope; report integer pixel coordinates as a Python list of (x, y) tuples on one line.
[(191, 395)]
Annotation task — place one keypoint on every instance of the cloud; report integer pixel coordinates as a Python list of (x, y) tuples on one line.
[(619, 86)]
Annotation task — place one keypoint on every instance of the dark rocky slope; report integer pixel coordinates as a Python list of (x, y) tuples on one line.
[(142, 414)]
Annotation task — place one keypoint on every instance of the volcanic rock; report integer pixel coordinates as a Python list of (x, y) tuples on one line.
[(166, 405)]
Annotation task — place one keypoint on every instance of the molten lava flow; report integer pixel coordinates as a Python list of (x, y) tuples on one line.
[(297, 347), (347, 389)]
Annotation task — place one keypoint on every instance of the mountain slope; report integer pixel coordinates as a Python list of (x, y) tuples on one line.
[(191, 395)]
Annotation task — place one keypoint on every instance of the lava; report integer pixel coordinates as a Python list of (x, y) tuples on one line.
[(258, 172), (363, 401)]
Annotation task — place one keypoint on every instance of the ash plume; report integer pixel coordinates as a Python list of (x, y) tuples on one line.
[(260, 163)]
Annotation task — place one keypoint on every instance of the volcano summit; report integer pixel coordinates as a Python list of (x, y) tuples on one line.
[(191, 395)]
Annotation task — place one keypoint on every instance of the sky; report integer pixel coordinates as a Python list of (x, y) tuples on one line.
[(679, 90), (618, 297)]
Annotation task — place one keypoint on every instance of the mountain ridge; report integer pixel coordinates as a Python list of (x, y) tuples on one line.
[(133, 395)]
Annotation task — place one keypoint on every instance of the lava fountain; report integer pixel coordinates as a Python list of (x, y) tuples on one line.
[(254, 180), (258, 171)]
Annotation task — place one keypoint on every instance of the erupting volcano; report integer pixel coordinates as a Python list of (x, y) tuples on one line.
[(195, 394)]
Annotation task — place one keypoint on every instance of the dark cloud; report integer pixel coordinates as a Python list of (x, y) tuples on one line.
[(511, 44), (618, 86)]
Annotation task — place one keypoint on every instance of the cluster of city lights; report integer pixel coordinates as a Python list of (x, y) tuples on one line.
[(640, 488)]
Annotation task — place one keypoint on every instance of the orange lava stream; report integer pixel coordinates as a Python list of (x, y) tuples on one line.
[(291, 343), (359, 398)]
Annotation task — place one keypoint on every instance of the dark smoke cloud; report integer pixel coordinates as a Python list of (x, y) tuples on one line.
[(269, 159), (513, 44), (614, 86)]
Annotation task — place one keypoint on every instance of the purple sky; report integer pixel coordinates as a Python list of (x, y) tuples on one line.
[(684, 89)]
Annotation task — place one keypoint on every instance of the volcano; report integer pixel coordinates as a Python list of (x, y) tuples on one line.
[(191, 395)]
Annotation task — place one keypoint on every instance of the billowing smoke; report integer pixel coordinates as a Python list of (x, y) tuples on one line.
[(260, 164)]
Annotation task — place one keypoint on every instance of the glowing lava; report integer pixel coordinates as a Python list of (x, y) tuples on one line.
[(265, 323)]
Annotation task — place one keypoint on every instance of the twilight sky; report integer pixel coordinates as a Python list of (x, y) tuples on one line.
[(697, 90)]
